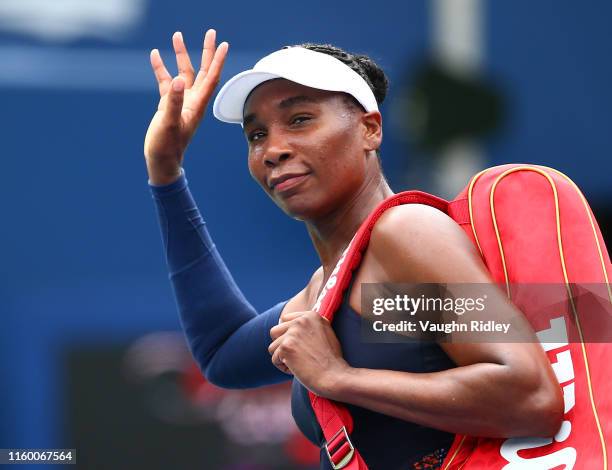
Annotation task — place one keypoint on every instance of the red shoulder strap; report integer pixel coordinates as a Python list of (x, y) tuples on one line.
[(333, 417)]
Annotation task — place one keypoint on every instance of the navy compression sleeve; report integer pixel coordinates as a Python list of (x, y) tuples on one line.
[(227, 337)]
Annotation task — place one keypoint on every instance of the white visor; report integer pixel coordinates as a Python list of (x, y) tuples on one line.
[(297, 64)]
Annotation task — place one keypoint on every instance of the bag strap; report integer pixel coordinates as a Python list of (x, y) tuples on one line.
[(334, 418)]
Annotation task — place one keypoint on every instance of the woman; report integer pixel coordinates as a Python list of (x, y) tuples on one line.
[(315, 153)]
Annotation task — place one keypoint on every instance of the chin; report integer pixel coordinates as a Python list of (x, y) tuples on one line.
[(302, 207)]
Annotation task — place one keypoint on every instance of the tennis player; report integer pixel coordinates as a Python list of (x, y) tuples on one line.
[(313, 129)]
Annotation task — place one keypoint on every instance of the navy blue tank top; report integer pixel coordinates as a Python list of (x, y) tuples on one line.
[(384, 442)]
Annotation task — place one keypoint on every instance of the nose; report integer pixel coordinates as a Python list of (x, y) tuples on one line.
[(277, 150)]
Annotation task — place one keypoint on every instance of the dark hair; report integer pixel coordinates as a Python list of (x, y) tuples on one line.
[(362, 64)]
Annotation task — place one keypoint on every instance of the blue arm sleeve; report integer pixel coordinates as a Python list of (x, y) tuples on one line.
[(226, 336)]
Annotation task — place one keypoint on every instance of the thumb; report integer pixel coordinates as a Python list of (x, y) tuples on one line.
[(174, 106)]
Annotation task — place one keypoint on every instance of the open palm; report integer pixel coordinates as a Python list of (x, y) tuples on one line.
[(183, 101)]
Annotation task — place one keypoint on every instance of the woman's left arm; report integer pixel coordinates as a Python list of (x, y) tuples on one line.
[(497, 390)]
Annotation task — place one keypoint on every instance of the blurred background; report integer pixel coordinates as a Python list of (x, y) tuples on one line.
[(91, 354)]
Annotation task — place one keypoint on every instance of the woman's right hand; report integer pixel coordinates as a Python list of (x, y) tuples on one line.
[(182, 103)]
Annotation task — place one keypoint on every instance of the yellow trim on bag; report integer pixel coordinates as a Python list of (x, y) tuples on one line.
[(588, 212), (455, 453), (494, 219), (470, 188), (565, 276)]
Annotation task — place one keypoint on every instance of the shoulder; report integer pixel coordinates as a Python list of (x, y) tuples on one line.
[(414, 227), (314, 285), (418, 243), (416, 219), (304, 299)]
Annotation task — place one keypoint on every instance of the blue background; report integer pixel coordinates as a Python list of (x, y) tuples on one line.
[(82, 258)]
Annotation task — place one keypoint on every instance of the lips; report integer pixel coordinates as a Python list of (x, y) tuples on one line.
[(286, 181)]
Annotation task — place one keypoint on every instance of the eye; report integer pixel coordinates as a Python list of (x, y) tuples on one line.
[(255, 135), (300, 119)]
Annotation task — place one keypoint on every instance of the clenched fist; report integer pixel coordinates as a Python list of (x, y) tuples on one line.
[(305, 345)]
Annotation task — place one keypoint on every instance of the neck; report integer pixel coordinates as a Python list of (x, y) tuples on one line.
[(332, 233)]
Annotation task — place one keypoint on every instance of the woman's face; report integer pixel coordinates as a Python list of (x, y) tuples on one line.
[(307, 147)]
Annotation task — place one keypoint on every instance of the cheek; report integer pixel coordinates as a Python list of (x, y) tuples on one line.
[(255, 169), (341, 152), (251, 167)]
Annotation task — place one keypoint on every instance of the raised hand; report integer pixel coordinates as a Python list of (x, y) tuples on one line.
[(182, 103)]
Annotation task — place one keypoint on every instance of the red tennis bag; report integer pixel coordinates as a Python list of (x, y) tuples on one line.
[(532, 225)]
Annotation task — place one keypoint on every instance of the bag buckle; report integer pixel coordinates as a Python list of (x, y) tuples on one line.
[(339, 449)]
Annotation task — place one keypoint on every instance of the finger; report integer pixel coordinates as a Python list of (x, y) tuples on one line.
[(288, 316), (174, 106), (275, 344), (208, 52), (161, 72), (279, 362), (280, 329), (213, 74), (183, 61), (205, 88)]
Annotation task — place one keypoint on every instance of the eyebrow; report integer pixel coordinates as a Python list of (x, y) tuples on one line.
[(286, 103)]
